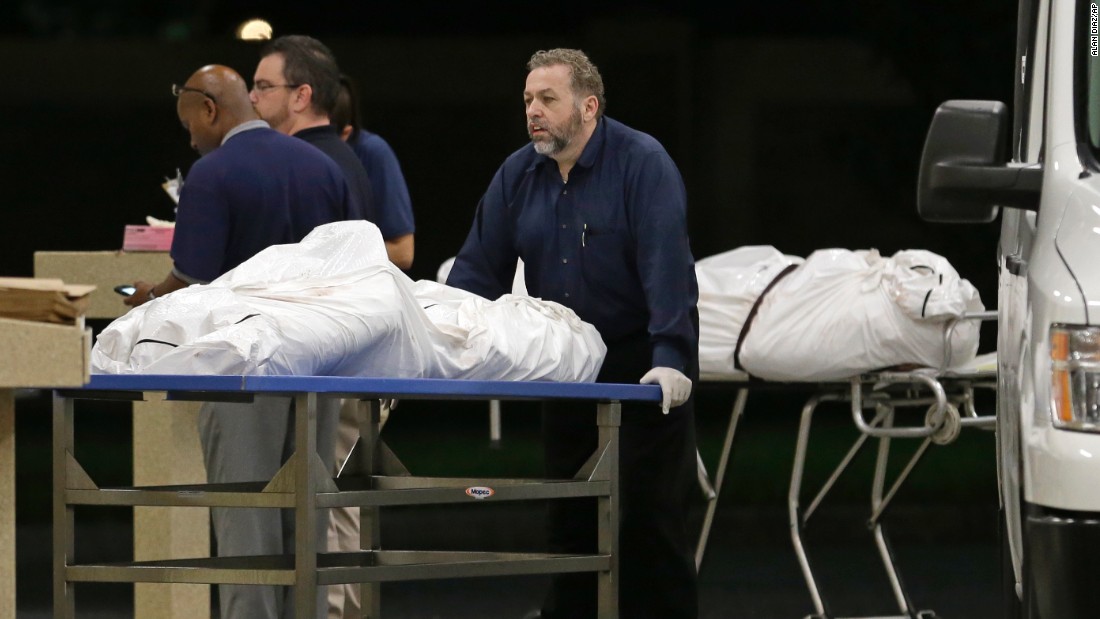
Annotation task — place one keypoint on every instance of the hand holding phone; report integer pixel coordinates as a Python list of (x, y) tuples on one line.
[(126, 290)]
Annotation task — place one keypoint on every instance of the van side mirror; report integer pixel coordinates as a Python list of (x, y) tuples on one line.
[(965, 174)]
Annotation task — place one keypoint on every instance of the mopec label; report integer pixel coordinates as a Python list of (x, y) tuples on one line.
[(480, 492)]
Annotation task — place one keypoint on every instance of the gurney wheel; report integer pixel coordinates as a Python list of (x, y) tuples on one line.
[(949, 428)]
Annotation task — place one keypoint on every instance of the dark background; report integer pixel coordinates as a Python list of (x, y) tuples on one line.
[(798, 125)]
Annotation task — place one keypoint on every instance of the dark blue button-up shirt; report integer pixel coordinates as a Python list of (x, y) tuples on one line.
[(611, 243)]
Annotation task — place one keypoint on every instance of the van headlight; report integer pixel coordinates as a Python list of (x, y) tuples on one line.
[(1075, 377)]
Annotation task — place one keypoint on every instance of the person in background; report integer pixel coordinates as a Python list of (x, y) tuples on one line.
[(224, 215), (392, 205), (252, 188), (393, 210), (294, 89), (598, 213)]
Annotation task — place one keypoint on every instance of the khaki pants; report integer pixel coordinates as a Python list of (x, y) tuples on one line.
[(343, 529)]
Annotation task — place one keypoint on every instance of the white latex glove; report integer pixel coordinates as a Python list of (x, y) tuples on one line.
[(675, 387)]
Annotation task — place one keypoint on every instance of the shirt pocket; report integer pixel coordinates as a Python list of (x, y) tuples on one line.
[(607, 262)]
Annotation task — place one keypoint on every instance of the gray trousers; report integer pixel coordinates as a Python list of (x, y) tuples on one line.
[(250, 442)]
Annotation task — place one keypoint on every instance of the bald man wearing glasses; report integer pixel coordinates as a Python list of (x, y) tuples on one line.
[(252, 188)]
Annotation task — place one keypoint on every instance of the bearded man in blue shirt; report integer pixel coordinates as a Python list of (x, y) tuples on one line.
[(598, 213)]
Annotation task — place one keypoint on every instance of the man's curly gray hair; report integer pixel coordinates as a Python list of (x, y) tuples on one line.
[(585, 77)]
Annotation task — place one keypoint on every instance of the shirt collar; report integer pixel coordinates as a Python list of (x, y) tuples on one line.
[(317, 130), (245, 126), (594, 146)]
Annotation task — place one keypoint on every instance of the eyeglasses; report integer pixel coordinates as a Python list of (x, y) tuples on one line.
[(178, 90), (263, 87)]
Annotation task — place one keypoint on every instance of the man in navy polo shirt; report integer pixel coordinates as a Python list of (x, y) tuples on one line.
[(294, 88), (252, 188), (598, 213), (392, 204)]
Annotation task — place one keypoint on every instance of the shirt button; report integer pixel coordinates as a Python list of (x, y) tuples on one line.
[(567, 295), (564, 226), (565, 260)]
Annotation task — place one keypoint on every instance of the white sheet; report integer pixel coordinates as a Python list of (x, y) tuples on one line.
[(729, 285), (839, 314), (333, 305)]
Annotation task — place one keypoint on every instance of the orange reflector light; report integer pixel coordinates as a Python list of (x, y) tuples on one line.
[(1059, 355), (1062, 401)]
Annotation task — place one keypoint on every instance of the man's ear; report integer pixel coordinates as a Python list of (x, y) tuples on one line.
[(209, 111), (589, 108), (302, 98), (345, 133)]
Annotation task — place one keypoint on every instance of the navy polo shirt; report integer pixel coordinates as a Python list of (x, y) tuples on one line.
[(392, 206), (259, 188), (327, 139), (611, 243)]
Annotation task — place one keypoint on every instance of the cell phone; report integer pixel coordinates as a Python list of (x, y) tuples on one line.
[(125, 290)]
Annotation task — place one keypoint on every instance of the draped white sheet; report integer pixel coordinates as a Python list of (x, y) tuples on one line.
[(333, 305), (837, 314)]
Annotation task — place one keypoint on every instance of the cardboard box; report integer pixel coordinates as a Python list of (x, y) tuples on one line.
[(39, 354), (104, 270), (147, 238), (43, 300)]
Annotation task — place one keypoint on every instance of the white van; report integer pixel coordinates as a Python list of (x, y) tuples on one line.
[(1040, 168)]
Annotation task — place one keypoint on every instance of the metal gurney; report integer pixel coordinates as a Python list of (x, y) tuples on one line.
[(947, 396), (304, 486)]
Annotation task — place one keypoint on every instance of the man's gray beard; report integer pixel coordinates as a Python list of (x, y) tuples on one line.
[(553, 147), (558, 143)]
